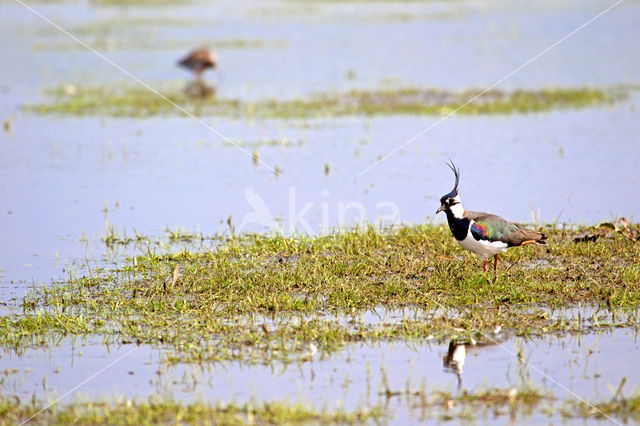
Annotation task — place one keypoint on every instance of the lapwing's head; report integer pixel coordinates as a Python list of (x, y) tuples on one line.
[(205, 58), (448, 201), (212, 59)]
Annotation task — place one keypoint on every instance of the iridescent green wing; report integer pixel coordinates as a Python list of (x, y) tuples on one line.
[(493, 228)]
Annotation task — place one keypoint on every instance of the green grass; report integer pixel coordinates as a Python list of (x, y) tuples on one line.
[(260, 299), (140, 102)]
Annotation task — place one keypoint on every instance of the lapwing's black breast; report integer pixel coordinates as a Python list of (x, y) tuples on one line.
[(459, 227)]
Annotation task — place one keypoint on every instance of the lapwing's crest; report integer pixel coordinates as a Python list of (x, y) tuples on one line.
[(482, 233)]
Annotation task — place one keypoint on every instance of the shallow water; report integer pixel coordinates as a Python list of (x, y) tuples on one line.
[(586, 367), (57, 174)]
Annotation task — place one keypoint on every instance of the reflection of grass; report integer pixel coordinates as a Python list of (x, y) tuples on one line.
[(268, 298), (625, 408), (132, 101)]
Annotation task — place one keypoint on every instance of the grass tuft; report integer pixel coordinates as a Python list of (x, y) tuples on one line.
[(139, 102), (132, 412)]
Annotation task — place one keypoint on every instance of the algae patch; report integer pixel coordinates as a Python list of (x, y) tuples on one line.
[(141, 102)]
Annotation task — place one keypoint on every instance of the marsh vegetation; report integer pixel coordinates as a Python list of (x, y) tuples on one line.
[(263, 298), (142, 102)]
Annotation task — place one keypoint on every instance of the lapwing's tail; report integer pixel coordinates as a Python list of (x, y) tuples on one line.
[(533, 237), (543, 238)]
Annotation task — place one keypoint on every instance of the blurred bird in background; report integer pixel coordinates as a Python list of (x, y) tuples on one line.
[(198, 61)]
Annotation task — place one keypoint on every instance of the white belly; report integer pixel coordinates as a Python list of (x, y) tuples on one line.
[(482, 248)]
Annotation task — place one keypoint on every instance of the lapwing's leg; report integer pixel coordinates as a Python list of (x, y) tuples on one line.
[(198, 72), (485, 265), (495, 267)]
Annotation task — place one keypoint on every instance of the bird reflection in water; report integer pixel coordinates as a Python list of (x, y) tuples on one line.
[(453, 361), (198, 61), (198, 89)]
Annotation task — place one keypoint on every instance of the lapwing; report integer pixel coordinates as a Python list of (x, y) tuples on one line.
[(482, 233), (199, 60)]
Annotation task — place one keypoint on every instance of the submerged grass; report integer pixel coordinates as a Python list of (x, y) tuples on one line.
[(170, 412), (259, 299), (139, 102), (517, 403), (626, 409)]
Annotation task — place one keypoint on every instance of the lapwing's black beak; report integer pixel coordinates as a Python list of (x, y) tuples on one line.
[(441, 209)]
